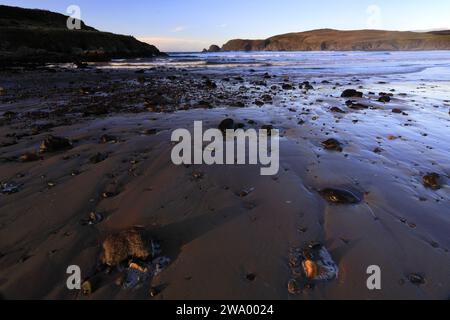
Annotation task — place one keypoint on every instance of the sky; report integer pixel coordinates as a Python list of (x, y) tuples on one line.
[(191, 25)]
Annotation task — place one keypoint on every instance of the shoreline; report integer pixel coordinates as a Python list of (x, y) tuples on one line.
[(223, 243)]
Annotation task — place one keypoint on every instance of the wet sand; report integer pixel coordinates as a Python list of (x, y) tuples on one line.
[(223, 245)]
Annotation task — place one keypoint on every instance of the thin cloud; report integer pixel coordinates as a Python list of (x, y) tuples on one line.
[(179, 29), (375, 19), (172, 44)]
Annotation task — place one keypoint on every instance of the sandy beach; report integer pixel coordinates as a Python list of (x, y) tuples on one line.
[(227, 232)]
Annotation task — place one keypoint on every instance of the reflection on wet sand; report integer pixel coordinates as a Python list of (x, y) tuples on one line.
[(363, 180)]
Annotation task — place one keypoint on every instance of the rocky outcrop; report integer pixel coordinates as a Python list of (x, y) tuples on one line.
[(335, 40), (29, 35), (213, 48)]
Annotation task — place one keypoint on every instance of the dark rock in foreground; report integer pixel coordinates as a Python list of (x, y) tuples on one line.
[(54, 144), (337, 196), (332, 144), (351, 93), (124, 245), (29, 157), (384, 99), (431, 181), (336, 110), (227, 124)]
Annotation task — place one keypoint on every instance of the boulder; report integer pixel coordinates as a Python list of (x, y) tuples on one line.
[(54, 144), (227, 124), (120, 247), (351, 93), (332, 144), (432, 181), (337, 196)]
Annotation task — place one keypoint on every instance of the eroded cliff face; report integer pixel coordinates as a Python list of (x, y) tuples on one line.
[(334, 40), (28, 35)]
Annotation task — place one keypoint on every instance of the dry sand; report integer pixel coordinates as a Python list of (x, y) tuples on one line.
[(221, 245)]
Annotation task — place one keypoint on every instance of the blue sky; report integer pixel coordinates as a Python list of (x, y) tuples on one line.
[(188, 25)]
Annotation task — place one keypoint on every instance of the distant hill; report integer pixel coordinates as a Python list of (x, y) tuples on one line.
[(335, 40), (31, 35)]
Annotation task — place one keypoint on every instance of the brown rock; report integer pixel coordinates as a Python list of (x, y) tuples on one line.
[(97, 158), (356, 106), (293, 288), (29, 157), (119, 247), (332, 144), (54, 144), (431, 181), (86, 288), (336, 110), (267, 98), (197, 175), (337, 196), (384, 99), (210, 84), (107, 139), (287, 86), (416, 279), (351, 93)]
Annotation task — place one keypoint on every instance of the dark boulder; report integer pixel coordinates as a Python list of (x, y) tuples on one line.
[(351, 93), (384, 99), (355, 106), (336, 110), (97, 158), (432, 181), (54, 144), (287, 86), (227, 124), (306, 85), (337, 196), (332, 144)]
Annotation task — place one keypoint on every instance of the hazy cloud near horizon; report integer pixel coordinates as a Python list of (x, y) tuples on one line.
[(179, 29), (168, 44), (180, 25), (375, 18)]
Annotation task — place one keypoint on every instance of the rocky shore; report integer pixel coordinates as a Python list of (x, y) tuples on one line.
[(87, 179)]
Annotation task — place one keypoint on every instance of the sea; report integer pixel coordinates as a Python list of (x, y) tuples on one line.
[(411, 65)]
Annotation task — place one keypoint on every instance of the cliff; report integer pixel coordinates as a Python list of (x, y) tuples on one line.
[(335, 40), (30, 35)]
